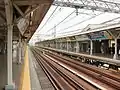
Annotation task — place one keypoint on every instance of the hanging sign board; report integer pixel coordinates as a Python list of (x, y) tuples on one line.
[(22, 25)]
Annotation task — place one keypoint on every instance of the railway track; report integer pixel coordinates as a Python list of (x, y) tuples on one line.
[(60, 83), (67, 74)]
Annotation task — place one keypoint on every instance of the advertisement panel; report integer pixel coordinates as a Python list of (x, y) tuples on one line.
[(100, 35)]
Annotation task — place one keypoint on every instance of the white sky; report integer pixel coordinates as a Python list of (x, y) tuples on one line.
[(73, 23)]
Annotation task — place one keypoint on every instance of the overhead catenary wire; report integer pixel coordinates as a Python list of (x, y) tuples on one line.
[(70, 19), (76, 16), (79, 22), (73, 32), (61, 21), (67, 20), (55, 14), (75, 24), (61, 33), (69, 31), (81, 29), (110, 20), (100, 23), (48, 18)]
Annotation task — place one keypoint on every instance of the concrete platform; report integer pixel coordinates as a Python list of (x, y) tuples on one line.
[(101, 55), (3, 72), (35, 85), (39, 81), (106, 55), (17, 71)]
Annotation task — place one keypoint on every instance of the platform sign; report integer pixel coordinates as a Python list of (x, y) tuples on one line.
[(100, 35), (22, 25)]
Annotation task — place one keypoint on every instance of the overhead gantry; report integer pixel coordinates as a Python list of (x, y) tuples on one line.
[(19, 19), (94, 5)]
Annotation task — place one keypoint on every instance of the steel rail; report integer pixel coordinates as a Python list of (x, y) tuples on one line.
[(102, 59), (90, 67), (107, 79), (75, 81), (58, 80), (110, 80)]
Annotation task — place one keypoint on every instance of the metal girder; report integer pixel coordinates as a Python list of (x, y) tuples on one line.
[(95, 5), (31, 2), (28, 12), (32, 10), (18, 9)]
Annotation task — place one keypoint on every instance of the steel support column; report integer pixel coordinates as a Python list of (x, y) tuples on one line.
[(91, 47), (20, 51), (77, 47), (23, 49), (61, 45), (9, 17), (9, 54), (115, 55), (67, 46)]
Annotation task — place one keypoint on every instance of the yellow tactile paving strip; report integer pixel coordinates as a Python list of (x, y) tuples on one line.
[(25, 77)]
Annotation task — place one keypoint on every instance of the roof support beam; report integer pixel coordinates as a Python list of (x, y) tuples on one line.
[(32, 10), (27, 13), (32, 2), (18, 9)]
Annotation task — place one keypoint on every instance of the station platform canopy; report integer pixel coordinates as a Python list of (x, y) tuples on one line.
[(26, 17)]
